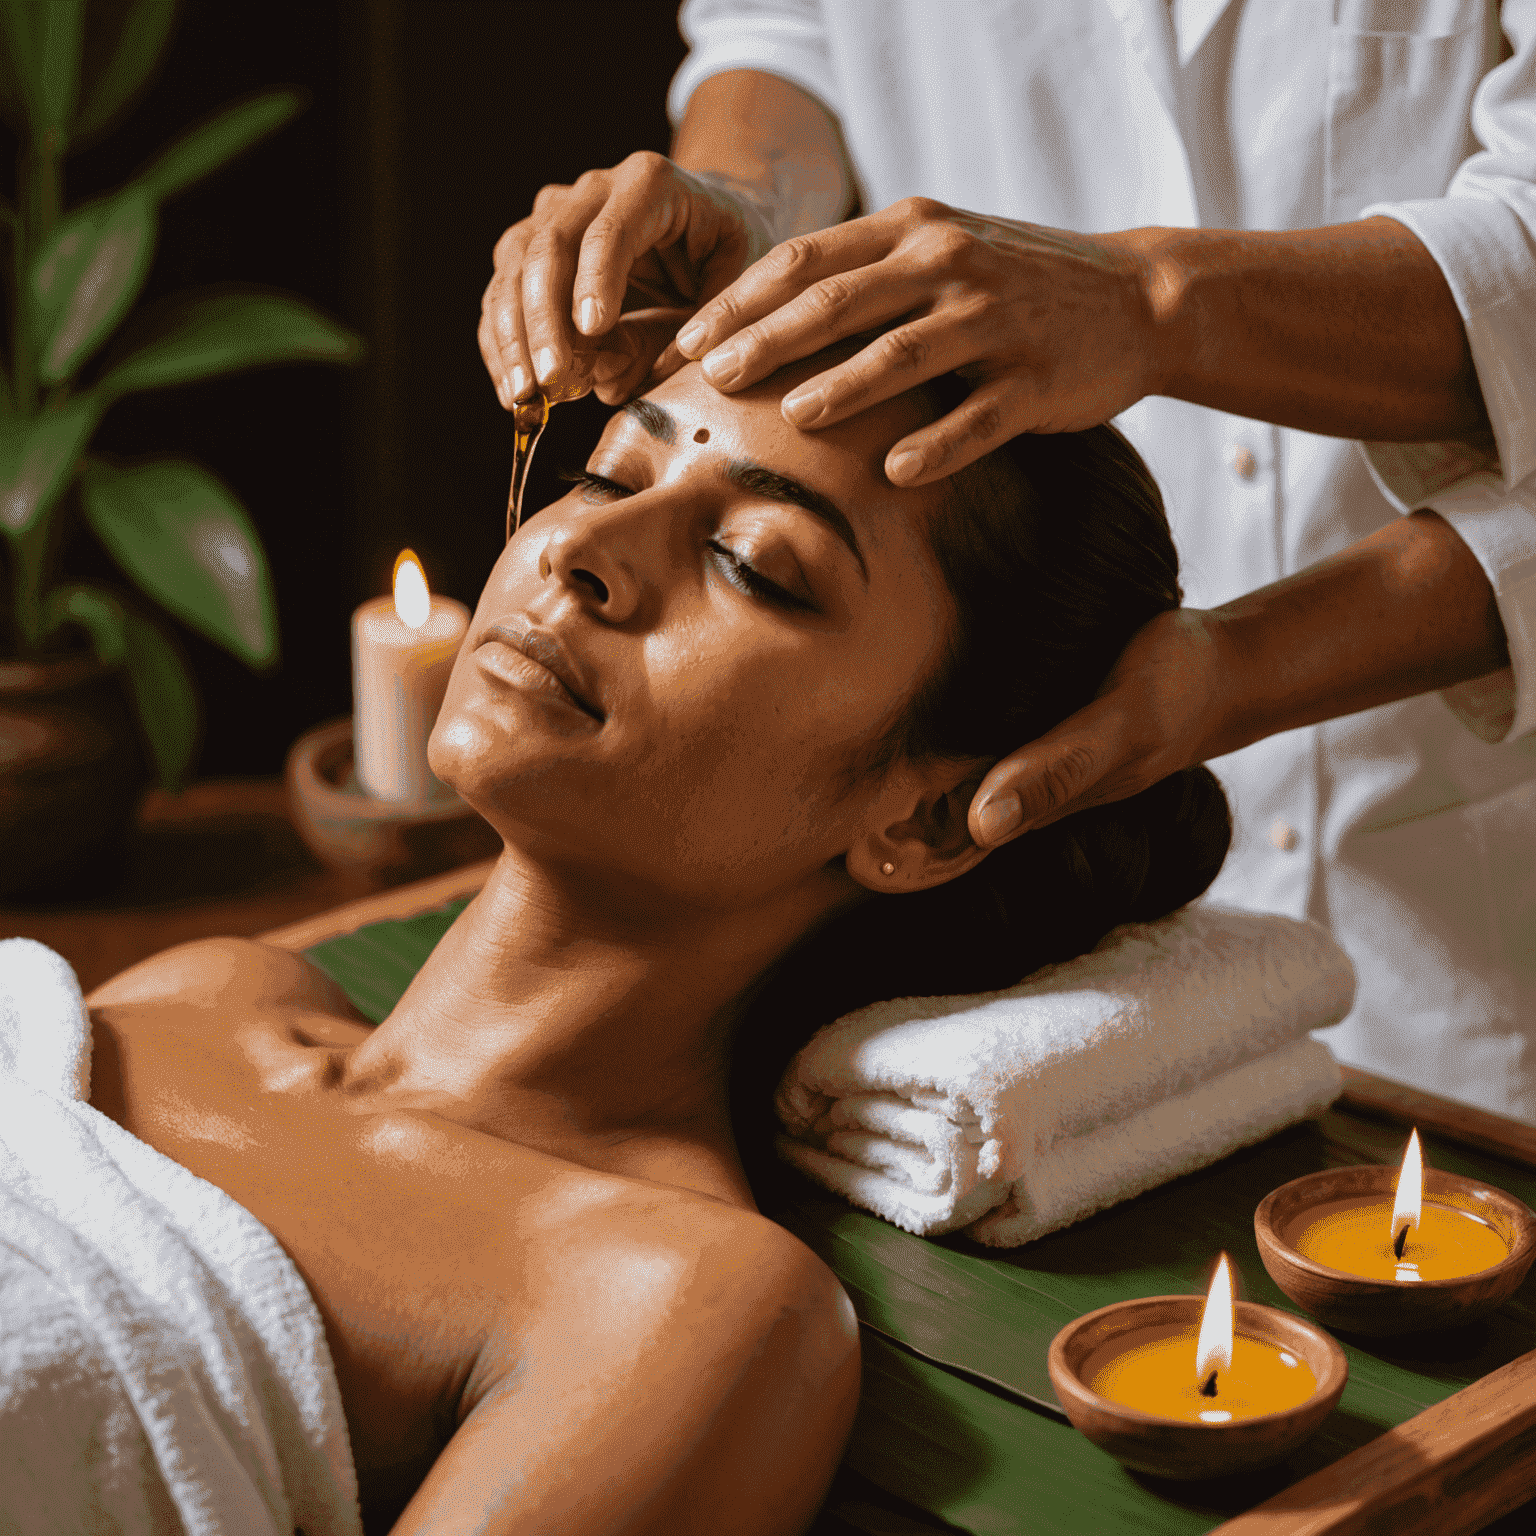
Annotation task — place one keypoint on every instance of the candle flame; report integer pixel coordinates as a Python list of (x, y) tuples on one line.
[(413, 603), (1214, 1351), (1408, 1203)]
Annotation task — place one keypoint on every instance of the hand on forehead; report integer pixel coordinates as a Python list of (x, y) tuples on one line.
[(849, 456)]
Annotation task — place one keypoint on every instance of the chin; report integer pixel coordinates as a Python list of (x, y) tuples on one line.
[(452, 748)]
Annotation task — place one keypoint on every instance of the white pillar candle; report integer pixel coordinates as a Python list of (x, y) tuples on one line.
[(403, 649)]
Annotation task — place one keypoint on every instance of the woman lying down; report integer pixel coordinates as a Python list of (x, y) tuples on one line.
[(723, 700)]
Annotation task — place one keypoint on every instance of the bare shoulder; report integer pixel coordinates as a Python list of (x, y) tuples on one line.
[(218, 972), (684, 1367)]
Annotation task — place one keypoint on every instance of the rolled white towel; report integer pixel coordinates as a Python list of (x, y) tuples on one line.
[(1014, 1113)]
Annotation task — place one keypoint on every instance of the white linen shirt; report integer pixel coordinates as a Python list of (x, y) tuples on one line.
[(1410, 829)]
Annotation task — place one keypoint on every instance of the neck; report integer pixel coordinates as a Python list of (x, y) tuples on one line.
[(590, 1022)]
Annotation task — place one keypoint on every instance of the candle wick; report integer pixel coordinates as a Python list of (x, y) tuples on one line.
[(1208, 1386), (1400, 1242)]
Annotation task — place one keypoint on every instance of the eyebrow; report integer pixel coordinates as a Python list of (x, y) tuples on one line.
[(758, 481), (661, 424)]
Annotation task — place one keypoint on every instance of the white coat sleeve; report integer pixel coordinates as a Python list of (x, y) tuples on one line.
[(779, 37), (1482, 233)]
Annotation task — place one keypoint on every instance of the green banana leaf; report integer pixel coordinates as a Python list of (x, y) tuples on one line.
[(957, 1419), (182, 535)]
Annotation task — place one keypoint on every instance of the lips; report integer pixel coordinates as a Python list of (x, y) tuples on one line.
[(565, 677)]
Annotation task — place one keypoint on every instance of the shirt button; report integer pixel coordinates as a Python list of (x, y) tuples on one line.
[(1284, 836), (1244, 465)]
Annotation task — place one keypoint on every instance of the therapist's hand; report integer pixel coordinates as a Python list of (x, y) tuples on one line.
[(1054, 330), (1406, 610), (1159, 710), (591, 287)]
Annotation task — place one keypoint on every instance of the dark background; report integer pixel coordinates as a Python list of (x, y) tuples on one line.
[(431, 125)]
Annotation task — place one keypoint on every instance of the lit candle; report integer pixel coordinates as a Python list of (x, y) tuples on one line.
[(1207, 1376), (1408, 1240), (403, 648)]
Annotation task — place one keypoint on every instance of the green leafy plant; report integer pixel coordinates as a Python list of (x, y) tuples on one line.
[(68, 70)]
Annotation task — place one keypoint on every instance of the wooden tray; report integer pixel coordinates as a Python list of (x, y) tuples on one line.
[(1450, 1469)]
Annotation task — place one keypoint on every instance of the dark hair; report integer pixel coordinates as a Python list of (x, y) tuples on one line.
[(1055, 549)]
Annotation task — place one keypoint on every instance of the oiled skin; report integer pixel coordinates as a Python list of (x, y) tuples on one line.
[(517, 1202), (455, 1270)]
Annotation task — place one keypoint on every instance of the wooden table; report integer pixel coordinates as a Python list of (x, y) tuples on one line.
[(220, 858)]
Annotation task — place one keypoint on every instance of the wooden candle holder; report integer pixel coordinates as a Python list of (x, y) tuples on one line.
[(1169, 1447), (1354, 1304), (346, 828)]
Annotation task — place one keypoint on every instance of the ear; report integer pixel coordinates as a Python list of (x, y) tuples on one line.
[(917, 826)]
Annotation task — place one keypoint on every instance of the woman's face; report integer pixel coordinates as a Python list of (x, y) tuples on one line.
[(736, 608)]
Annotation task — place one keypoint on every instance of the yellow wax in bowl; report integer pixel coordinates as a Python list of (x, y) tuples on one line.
[(1158, 1376), (1356, 1236)]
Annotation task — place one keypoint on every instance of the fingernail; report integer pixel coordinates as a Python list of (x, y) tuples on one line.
[(543, 364), (690, 338), (802, 406), (904, 466), (999, 816), (519, 381), (589, 316), (723, 364)]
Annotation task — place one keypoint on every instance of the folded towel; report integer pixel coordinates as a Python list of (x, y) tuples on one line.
[(162, 1365), (1014, 1113)]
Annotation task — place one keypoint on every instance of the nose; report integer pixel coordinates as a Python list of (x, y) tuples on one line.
[(600, 554)]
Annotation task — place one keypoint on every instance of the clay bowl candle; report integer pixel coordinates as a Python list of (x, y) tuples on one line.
[(1181, 1389), (1376, 1251)]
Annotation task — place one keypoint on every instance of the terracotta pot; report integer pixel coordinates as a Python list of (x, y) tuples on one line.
[(1147, 1442), (72, 772), (1380, 1308), (349, 830)]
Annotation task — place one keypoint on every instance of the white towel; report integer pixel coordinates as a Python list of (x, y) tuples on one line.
[(162, 1365), (1018, 1112)]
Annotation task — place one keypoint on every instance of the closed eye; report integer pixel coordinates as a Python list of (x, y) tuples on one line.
[(744, 577), (588, 481), (747, 578)]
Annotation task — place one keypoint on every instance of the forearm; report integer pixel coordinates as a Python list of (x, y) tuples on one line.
[(771, 145), (1350, 331), (1402, 612)]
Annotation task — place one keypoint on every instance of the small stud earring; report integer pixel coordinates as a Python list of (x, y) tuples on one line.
[(544, 566), (887, 868)]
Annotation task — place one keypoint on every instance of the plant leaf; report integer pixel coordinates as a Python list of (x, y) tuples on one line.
[(85, 277), (38, 455), (221, 138), (42, 40), (116, 67), (197, 336), (189, 544), (165, 701), (96, 610)]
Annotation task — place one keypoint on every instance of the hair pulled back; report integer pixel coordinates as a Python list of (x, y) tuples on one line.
[(1055, 549)]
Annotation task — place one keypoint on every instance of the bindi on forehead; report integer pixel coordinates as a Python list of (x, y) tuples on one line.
[(702, 435)]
